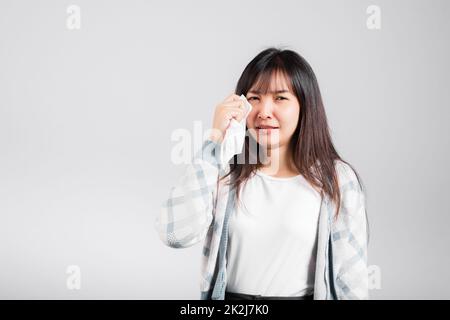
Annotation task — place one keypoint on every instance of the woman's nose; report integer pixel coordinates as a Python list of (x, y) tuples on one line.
[(264, 115), (265, 109)]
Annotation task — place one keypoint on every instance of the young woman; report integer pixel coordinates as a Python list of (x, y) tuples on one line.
[(291, 224)]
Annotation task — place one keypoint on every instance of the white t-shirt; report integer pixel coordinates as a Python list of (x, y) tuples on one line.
[(272, 239)]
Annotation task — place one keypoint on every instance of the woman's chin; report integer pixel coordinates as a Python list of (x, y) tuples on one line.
[(265, 145), (266, 141), (269, 142)]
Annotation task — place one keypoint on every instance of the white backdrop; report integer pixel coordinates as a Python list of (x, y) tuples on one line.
[(86, 117)]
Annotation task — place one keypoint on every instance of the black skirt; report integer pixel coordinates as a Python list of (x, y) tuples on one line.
[(243, 296)]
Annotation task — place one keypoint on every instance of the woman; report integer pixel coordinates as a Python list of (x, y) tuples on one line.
[(300, 230)]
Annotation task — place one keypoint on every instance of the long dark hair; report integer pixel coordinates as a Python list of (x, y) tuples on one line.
[(312, 148)]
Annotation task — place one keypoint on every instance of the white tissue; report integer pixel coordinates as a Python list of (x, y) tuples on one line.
[(234, 138)]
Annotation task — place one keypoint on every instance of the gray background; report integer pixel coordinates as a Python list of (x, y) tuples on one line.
[(86, 118)]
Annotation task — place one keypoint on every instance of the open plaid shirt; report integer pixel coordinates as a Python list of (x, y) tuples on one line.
[(199, 207)]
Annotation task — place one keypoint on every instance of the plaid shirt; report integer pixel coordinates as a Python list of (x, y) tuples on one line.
[(199, 207)]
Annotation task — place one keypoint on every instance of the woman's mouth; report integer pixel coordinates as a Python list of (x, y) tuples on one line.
[(266, 129)]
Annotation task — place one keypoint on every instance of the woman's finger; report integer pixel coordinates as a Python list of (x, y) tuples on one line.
[(232, 97), (237, 104)]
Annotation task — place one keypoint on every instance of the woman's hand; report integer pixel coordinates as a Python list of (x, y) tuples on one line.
[(231, 107)]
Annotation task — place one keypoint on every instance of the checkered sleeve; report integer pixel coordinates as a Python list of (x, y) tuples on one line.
[(350, 241), (186, 215)]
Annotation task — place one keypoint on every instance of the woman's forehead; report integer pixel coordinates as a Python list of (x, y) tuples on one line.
[(276, 82)]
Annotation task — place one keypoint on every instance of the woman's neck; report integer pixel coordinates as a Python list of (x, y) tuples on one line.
[(279, 162)]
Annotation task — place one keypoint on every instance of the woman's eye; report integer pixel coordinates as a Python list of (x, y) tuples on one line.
[(282, 98), (252, 98)]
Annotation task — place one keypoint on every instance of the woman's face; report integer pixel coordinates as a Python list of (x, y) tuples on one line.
[(279, 108)]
